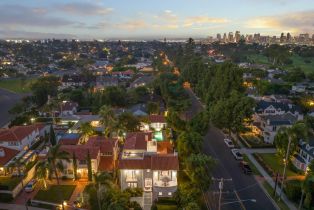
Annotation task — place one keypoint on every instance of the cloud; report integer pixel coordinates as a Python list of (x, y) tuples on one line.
[(293, 22), (84, 9), (167, 16), (131, 25), (16, 15), (203, 20)]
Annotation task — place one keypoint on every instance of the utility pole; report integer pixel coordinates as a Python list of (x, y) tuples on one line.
[(220, 185), (276, 183), (285, 166)]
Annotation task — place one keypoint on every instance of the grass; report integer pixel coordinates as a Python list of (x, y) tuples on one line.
[(17, 85), (276, 164), (254, 142), (258, 58), (270, 191), (166, 207), (10, 182), (56, 193), (253, 167)]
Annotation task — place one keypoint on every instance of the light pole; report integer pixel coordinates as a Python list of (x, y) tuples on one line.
[(238, 201)]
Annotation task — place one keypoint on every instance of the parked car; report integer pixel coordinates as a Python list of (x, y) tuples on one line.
[(236, 153), (229, 143), (31, 186), (245, 167)]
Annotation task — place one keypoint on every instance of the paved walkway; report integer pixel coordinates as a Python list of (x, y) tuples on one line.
[(266, 175), (17, 207), (260, 150)]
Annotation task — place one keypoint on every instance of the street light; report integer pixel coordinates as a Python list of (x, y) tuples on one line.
[(238, 201)]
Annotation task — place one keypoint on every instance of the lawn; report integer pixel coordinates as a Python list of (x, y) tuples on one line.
[(273, 161), (300, 62), (166, 207), (56, 193), (10, 182), (254, 142), (17, 85)]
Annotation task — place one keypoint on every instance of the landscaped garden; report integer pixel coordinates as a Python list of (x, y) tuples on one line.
[(253, 141), (275, 164), (56, 193)]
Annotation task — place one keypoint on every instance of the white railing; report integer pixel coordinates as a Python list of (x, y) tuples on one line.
[(160, 183)]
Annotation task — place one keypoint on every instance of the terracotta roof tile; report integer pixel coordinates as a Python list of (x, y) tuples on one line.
[(106, 163), (16, 133), (80, 151), (137, 140), (157, 118), (8, 155)]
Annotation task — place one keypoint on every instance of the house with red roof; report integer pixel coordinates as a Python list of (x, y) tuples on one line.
[(68, 108), (128, 74), (155, 122), (103, 155), (6, 154), (143, 163), (20, 137)]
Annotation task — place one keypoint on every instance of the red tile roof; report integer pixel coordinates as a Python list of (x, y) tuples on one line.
[(157, 118), (164, 147), (17, 133), (80, 151), (137, 140), (8, 155), (155, 162), (106, 163), (68, 141), (105, 144)]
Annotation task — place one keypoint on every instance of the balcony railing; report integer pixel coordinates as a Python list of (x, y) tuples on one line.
[(160, 183)]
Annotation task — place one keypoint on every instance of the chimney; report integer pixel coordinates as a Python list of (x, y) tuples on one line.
[(2, 153)]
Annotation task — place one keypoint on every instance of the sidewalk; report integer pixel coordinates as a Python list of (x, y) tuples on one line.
[(260, 150), (17, 207), (264, 173)]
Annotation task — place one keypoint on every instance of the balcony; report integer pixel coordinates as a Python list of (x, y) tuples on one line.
[(165, 182)]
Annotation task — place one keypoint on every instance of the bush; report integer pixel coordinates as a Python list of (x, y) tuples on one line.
[(135, 205), (6, 197), (293, 190), (134, 192), (168, 201)]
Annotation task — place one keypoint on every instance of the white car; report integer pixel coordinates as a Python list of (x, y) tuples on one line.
[(31, 186), (229, 143), (237, 154)]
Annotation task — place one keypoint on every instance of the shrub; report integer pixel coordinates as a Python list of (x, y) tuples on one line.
[(293, 190), (134, 192)]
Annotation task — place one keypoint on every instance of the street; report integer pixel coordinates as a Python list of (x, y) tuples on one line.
[(7, 100), (242, 187)]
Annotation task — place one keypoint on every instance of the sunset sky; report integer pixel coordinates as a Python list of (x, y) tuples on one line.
[(89, 19)]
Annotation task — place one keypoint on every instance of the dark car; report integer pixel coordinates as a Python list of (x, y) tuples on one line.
[(245, 167)]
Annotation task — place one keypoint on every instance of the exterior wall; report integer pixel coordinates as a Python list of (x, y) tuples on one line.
[(82, 169), (158, 126), (131, 177)]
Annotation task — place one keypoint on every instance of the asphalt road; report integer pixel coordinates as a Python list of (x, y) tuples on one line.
[(7, 100), (241, 187)]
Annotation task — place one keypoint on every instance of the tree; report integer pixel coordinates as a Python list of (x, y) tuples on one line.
[(86, 129), (74, 166), (55, 159), (42, 168), (17, 163), (296, 132), (44, 87), (107, 118), (129, 122), (308, 188), (199, 167), (89, 167), (102, 180), (189, 143), (152, 107), (53, 140)]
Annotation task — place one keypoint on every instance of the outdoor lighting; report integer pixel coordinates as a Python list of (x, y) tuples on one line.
[(32, 120), (64, 203)]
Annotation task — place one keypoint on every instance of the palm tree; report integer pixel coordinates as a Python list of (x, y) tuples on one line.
[(41, 169), (86, 129), (306, 186), (101, 179), (55, 158), (108, 118), (286, 142)]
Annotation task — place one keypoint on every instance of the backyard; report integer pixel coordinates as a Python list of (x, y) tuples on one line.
[(55, 193), (17, 85)]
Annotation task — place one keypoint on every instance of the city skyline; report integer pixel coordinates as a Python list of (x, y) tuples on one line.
[(87, 19)]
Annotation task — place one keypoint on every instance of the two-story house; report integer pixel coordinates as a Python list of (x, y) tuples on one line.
[(102, 152), (154, 122), (270, 124), (142, 166), (20, 137), (305, 155)]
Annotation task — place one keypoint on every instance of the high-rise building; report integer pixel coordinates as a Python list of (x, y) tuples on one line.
[(282, 38), (289, 38), (256, 37), (230, 37), (225, 37), (219, 37), (237, 36)]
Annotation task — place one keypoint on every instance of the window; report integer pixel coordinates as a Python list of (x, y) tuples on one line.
[(159, 193), (132, 184), (13, 143), (148, 182), (169, 193)]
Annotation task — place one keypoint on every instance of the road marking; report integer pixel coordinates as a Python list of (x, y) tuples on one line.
[(241, 203)]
